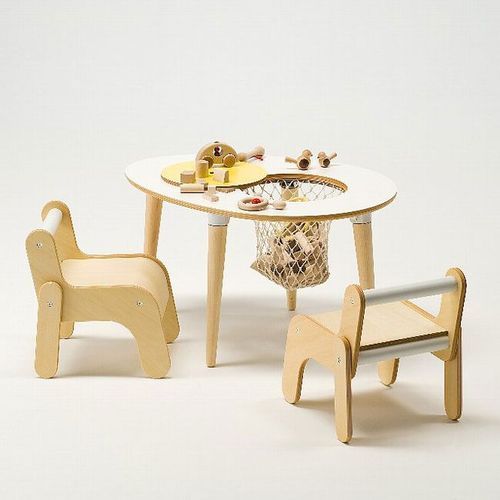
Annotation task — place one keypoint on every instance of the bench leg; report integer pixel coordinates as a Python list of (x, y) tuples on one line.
[(293, 373), (343, 407), (453, 384), (48, 327)]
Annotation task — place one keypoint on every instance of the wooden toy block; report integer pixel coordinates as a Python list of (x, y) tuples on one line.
[(324, 159), (188, 176), (376, 325), (216, 152), (197, 187), (257, 153), (303, 162), (303, 242), (71, 286), (202, 169), (221, 175)]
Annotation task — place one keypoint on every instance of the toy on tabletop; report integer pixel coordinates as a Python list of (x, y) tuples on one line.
[(188, 177), (221, 175), (201, 167), (253, 203), (279, 204), (211, 194), (303, 162), (324, 159), (217, 153), (192, 187), (257, 153)]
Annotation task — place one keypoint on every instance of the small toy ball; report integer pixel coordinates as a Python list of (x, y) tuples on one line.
[(279, 204), (253, 203)]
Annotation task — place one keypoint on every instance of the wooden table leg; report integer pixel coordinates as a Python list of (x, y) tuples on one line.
[(152, 225), (291, 299), (362, 228), (217, 232)]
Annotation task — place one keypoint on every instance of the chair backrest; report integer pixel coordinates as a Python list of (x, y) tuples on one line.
[(452, 288), (54, 242)]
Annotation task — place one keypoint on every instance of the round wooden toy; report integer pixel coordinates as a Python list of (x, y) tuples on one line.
[(217, 153), (279, 204), (253, 203)]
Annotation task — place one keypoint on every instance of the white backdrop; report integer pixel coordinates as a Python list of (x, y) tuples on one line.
[(407, 88)]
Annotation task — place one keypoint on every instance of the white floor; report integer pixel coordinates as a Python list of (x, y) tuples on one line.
[(102, 430)]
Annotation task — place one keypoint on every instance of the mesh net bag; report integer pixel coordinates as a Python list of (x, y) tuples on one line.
[(293, 254)]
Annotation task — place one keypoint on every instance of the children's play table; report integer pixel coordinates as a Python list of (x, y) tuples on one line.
[(362, 192)]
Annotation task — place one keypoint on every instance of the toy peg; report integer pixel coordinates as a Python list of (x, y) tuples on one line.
[(257, 153), (202, 169), (303, 162), (192, 188), (324, 159)]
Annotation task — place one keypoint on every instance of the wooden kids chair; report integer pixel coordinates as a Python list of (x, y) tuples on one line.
[(133, 290), (376, 325)]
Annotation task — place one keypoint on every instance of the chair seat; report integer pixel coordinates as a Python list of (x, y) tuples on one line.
[(135, 271), (388, 325)]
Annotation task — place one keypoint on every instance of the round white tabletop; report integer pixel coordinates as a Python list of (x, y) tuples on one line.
[(365, 191)]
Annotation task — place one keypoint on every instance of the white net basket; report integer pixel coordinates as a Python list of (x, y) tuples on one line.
[(293, 254)]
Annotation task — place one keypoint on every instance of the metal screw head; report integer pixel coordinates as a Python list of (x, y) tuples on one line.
[(139, 303), (352, 301), (339, 360), (39, 244), (297, 331), (50, 303)]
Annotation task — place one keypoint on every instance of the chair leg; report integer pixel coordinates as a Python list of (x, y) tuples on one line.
[(48, 327), (453, 384), (170, 321), (293, 373), (342, 372), (153, 350), (388, 371), (66, 329)]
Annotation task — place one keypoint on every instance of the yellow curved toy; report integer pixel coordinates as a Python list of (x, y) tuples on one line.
[(242, 174)]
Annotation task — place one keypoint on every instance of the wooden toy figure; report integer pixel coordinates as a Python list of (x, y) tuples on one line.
[(303, 162), (217, 153), (257, 153), (324, 159)]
